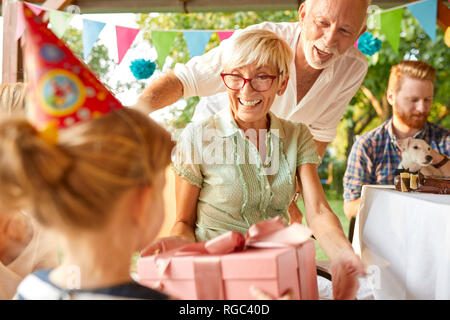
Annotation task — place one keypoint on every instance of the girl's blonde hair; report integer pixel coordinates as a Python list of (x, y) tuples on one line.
[(419, 70), (12, 98), (77, 181), (262, 47)]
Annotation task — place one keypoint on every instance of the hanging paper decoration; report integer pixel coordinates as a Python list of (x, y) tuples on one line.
[(142, 69), (424, 11), (391, 26), (59, 21), (368, 44), (223, 35), (197, 41), (163, 41), (91, 31), (426, 14), (125, 37)]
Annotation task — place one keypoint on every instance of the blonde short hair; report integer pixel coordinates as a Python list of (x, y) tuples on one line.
[(262, 47), (408, 68), (76, 182), (12, 98)]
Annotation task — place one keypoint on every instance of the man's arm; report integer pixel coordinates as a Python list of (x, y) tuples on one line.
[(321, 147), (351, 208), (162, 92)]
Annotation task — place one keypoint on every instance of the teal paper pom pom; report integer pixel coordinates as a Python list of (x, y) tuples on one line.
[(368, 44), (142, 69)]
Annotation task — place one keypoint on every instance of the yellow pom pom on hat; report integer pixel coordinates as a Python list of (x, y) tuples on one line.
[(62, 90)]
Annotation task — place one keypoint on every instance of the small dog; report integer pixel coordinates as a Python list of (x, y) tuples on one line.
[(416, 156)]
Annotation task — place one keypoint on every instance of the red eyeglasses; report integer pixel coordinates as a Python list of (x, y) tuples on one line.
[(236, 82)]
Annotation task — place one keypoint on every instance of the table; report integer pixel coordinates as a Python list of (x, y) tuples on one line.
[(404, 239)]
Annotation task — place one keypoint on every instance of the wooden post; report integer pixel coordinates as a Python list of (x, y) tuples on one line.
[(12, 70), (12, 67)]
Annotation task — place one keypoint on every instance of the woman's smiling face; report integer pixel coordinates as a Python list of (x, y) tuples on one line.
[(248, 105)]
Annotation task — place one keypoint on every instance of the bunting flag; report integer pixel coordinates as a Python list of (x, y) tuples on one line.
[(447, 36), (125, 37), (59, 21), (426, 14), (223, 35), (163, 41), (20, 22), (197, 41), (36, 9), (91, 31), (425, 11), (391, 26)]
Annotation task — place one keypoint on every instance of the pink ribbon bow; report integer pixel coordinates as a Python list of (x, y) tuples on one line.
[(266, 234)]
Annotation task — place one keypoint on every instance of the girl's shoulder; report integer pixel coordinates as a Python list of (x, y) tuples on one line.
[(38, 286)]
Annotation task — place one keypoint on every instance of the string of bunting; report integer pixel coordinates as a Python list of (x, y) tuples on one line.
[(424, 11)]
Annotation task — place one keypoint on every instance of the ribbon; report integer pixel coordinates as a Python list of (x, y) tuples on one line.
[(266, 234)]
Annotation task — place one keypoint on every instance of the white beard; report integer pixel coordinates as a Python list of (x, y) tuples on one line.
[(311, 58)]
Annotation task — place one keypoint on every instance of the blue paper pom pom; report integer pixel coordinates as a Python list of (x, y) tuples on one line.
[(142, 69), (368, 44)]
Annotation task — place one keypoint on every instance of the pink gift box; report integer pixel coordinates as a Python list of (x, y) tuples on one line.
[(230, 276)]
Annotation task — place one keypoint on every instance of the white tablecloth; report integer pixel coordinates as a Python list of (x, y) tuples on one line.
[(404, 239)]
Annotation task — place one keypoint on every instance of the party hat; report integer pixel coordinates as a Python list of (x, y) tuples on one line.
[(62, 91)]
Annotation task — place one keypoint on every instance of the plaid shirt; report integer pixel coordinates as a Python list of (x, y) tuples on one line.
[(375, 155)]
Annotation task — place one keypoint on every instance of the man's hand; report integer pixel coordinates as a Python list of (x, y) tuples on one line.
[(345, 271), (164, 244)]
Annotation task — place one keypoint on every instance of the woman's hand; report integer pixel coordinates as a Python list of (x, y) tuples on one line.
[(345, 271), (164, 244)]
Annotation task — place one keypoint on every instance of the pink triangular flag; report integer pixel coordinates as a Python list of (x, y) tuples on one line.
[(125, 37), (36, 9), (223, 35), (20, 24)]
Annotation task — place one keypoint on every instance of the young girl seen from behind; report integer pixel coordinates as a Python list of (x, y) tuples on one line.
[(99, 188)]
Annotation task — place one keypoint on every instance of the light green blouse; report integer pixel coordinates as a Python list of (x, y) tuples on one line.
[(238, 189)]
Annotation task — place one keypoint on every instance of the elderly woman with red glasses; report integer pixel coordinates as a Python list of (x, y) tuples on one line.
[(240, 166)]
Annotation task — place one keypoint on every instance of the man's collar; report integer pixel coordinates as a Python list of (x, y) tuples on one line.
[(226, 125), (419, 135)]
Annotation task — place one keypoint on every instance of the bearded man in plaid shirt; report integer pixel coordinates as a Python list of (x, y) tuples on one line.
[(376, 155)]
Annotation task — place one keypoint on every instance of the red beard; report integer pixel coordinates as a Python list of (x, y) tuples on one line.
[(414, 121)]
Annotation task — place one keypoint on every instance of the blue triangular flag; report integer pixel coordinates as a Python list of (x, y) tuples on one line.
[(197, 41), (425, 12), (91, 31)]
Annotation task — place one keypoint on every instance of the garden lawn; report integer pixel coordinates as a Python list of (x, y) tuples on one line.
[(337, 205)]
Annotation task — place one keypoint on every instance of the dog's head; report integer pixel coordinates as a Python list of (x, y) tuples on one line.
[(415, 153)]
